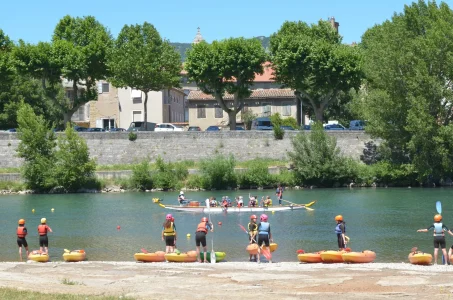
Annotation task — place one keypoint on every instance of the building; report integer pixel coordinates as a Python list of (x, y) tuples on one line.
[(104, 113), (204, 110), (166, 106)]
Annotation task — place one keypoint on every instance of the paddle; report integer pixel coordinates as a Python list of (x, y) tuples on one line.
[(295, 204), (213, 258), (144, 250), (266, 252)]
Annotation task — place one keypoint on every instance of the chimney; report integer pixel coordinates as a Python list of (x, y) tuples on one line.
[(334, 24)]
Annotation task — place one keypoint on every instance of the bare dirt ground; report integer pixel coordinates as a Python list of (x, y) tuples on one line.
[(232, 280)]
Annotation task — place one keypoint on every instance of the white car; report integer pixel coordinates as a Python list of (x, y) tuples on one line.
[(167, 127)]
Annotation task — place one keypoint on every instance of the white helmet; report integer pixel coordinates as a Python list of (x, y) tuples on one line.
[(181, 193)]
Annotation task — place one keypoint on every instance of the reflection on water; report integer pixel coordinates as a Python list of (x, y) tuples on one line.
[(382, 220)]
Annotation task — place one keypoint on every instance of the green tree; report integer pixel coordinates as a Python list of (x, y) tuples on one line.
[(227, 66), (37, 148), (142, 60), (6, 66), (73, 166), (408, 96), (313, 61), (317, 159)]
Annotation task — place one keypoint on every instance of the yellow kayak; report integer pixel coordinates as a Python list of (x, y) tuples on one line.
[(273, 246), (366, 256), (37, 256), (157, 256), (332, 256), (74, 255), (420, 258), (190, 256)]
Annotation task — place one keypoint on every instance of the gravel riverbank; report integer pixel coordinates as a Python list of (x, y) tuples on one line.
[(232, 280)]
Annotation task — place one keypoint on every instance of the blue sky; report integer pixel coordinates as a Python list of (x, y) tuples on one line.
[(177, 20)]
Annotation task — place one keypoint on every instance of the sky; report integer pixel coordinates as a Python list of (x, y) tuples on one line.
[(177, 21)]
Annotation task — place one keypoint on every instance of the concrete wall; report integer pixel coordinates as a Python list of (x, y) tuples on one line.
[(115, 148)]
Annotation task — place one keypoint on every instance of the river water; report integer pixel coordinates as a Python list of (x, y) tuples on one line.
[(382, 220)]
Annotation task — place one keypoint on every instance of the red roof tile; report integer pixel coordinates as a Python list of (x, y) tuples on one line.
[(256, 94)]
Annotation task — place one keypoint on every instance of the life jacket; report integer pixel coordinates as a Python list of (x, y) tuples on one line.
[(267, 202), (202, 227), (438, 229), (170, 230), (21, 231), (264, 228), (42, 229), (240, 204), (225, 203), (338, 229), (253, 229), (279, 192)]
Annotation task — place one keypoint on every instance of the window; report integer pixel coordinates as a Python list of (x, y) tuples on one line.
[(136, 95), (137, 115), (218, 112), (286, 109), (201, 111), (105, 87), (68, 94), (267, 109)]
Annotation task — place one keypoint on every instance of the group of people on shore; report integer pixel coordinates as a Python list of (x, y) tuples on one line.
[(22, 232), (439, 239)]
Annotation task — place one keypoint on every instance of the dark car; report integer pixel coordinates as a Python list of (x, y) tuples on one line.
[(11, 130), (334, 127), (95, 129), (307, 127), (80, 129), (239, 128), (194, 128), (117, 129), (213, 128)]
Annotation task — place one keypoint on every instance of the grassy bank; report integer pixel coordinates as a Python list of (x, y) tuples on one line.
[(8, 293)]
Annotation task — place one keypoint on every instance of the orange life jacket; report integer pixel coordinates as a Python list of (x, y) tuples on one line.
[(21, 232), (42, 229), (202, 227)]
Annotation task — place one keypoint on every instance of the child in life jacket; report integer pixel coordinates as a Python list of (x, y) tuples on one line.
[(200, 237), (252, 201), (253, 231), (21, 234), (439, 237), (43, 239), (240, 201), (340, 231), (169, 234), (264, 236)]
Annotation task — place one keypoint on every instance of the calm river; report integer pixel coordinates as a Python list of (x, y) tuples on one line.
[(382, 220)]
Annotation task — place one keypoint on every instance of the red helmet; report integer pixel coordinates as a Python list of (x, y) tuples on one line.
[(204, 219), (168, 217), (263, 217), (252, 217), (437, 218)]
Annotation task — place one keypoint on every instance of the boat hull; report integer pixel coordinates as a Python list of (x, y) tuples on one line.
[(310, 257), (74, 256), (359, 257), (158, 256), (36, 256), (204, 209), (332, 256), (219, 256), (420, 258), (190, 256)]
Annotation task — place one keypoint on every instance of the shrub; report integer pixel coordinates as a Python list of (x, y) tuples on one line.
[(285, 178), (257, 175), (218, 172), (132, 136), (290, 121), (279, 133), (248, 116), (169, 175), (194, 181), (141, 176)]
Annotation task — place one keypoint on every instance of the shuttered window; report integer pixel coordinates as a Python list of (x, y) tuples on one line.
[(201, 111), (218, 112), (286, 109)]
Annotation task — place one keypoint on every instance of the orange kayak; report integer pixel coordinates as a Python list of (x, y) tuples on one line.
[(420, 258), (190, 256), (310, 257), (366, 256), (332, 256), (157, 256)]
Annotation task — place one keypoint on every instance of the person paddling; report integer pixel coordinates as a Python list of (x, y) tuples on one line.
[(169, 234), (279, 194), (43, 239), (200, 237), (340, 230), (264, 236), (439, 237), (21, 234), (253, 230)]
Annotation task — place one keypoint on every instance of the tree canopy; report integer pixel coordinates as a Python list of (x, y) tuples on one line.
[(227, 66), (313, 61), (142, 60)]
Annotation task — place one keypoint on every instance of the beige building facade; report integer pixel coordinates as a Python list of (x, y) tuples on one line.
[(204, 111)]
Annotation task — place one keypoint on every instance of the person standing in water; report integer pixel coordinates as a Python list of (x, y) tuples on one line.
[(279, 194), (340, 230), (169, 234), (264, 236), (200, 237), (43, 239), (439, 237), (21, 234), (253, 230)]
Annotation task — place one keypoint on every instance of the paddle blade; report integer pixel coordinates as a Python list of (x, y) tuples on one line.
[(243, 228), (144, 250), (213, 258), (310, 204), (308, 208), (439, 207), (161, 205), (266, 253)]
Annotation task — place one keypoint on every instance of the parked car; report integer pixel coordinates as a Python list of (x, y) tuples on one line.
[(80, 129), (287, 128), (357, 125), (239, 128), (11, 130), (116, 129), (95, 129), (194, 128), (307, 127), (334, 127), (140, 126), (263, 123), (167, 127), (213, 128)]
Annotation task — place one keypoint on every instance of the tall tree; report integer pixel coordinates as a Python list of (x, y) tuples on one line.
[(408, 96), (227, 66), (6, 66), (142, 60), (80, 47), (313, 61)]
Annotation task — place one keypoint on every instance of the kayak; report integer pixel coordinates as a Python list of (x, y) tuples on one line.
[(219, 256), (420, 258), (190, 256), (273, 246), (252, 249), (158, 256), (332, 256), (37, 256), (366, 256), (314, 257), (74, 255)]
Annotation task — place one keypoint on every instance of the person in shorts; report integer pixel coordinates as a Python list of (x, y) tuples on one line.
[(200, 237), (264, 236), (439, 237), (43, 229), (21, 234), (169, 234), (253, 231)]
